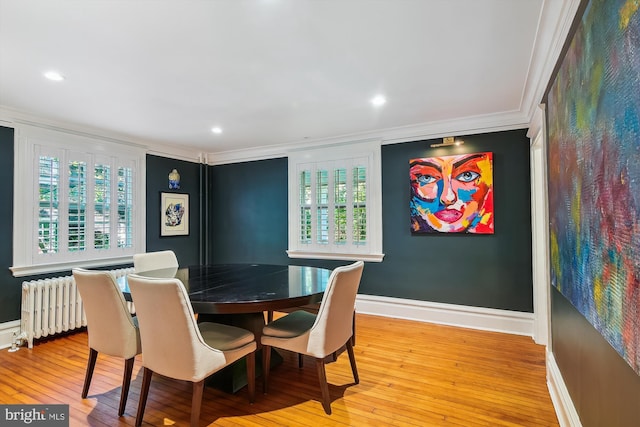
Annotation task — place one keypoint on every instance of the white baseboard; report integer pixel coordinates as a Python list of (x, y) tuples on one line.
[(6, 332), (566, 412), (486, 319)]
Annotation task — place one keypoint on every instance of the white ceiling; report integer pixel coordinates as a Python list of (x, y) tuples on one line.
[(272, 72)]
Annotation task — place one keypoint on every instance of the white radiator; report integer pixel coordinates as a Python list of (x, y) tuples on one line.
[(51, 306)]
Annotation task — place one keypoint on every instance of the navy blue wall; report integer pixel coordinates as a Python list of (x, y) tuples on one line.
[(248, 212), (248, 223), (187, 248), (477, 270), (10, 290)]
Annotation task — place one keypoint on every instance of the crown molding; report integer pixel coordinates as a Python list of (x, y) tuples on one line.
[(430, 130), (14, 118), (554, 24)]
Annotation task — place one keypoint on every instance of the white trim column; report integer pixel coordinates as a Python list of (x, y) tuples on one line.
[(540, 230)]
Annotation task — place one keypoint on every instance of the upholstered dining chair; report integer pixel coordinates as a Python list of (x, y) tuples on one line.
[(318, 335), (159, 260), (314, 308), (174, 345), (111, 328), (154, 260)]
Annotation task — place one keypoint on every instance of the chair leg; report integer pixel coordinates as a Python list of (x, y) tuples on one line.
[(196, 402), (144, 392), (91, 363), (266, 365), (353, 328), (126, 380), (300, 362), (352, 360), (324, 387), (251, 375)]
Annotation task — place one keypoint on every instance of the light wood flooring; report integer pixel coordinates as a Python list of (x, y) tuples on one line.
[(411, 374)]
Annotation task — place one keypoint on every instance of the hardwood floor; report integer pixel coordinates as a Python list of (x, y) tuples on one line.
[(411, 374)]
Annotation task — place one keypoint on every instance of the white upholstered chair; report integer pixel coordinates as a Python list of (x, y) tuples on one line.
[(176, 346), (154, 260), (159, 260), (111, 328), (318, 335)]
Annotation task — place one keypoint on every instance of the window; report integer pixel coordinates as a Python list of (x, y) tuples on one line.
[(335, 203), (78, 206)]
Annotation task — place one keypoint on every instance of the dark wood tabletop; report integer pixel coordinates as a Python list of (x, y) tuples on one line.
[(246, 288)]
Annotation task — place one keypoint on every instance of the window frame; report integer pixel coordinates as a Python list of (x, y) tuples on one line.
[(331, 158), (31, 142)]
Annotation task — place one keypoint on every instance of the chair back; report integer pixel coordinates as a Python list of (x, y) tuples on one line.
[(154, 261), (334, 323), (172, 344), (110, 326)]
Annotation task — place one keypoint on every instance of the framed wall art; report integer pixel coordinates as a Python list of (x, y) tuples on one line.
[(174, 214), (452, 194)]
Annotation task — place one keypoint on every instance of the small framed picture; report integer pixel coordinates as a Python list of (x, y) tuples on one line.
[(174, 214)]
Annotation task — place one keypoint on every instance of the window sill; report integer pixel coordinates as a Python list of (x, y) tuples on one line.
[(336, 256), (32, 270)]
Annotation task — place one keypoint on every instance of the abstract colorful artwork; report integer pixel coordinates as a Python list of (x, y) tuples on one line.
[(452, 194), (594, 173)]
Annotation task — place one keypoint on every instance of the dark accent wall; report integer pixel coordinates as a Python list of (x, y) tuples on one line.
[(187, 248), (248, 217), (248, 212), (491, 271), (249, 223), (604, 389), (10, 291)]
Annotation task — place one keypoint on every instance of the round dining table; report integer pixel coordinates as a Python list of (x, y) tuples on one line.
[(239, 294), (244, 288)]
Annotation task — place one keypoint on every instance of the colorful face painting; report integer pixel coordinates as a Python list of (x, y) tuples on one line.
[(452, 194)]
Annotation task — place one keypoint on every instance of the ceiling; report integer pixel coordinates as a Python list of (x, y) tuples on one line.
[(277, 72)]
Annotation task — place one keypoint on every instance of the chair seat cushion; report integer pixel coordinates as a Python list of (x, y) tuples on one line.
[(224, 337), (291, 325)]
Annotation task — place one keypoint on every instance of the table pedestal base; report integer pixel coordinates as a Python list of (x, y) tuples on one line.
[(234, 377)]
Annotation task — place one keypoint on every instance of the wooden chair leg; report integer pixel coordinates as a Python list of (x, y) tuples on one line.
[(352, 360), (269, 316), (251, 375), (91, 364), (144, 392), (196, 402), (266, 365), (126, 380), (353, 328), (324, 387)]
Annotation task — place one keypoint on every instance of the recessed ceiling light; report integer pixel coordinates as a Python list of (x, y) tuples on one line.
[(378, 100), (216, 130), (54, 75)]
